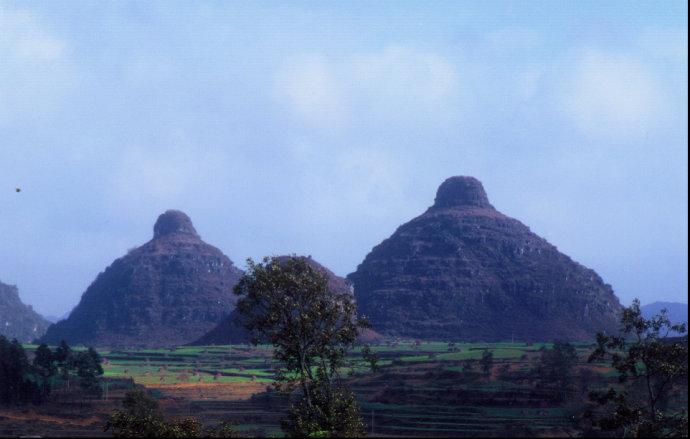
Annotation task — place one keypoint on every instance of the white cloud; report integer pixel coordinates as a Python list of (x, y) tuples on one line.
[(312, 91), (354, 182), (403, 76), (612, 96), (374, 179), (395, 83), (147, 179), (23, 39), (35, 71)]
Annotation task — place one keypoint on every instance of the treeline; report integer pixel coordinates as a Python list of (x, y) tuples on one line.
[(23, 381)]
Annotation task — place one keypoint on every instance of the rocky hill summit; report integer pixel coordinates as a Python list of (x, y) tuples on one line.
[(170, 291), (464, 271), (18, 320)]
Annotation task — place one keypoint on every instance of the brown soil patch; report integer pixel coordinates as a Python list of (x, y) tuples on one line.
[(33, 416), (197, 391)]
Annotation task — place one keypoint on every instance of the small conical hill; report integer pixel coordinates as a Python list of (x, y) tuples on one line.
[(170, 291)]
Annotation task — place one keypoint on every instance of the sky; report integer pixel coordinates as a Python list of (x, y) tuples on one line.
[(320, 127)]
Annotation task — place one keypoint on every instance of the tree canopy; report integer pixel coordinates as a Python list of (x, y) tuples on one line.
[(22, 381), (287, 303), (651, 368)]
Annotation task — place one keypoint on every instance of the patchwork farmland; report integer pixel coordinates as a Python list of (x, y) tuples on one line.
[(420, 389)]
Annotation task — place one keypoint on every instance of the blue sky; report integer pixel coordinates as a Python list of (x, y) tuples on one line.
[(319, 127)]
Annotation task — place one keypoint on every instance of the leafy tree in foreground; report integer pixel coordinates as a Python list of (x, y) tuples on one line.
[(288, 303), (141, 417), (334, 412), (651, 367)]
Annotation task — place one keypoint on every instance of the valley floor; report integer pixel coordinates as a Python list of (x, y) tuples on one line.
[(421, 389)]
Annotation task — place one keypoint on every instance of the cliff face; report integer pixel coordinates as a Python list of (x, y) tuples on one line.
[(170, 291), (464, 271), (18, 320)]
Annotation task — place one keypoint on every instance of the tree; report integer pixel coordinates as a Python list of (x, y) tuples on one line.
[(89, 369), (13, 366), (62, 353), (22, 381), (333, 412), (64, 358), (44, 361), (288, 303), (555, 370), (139, 403), (45, 367), (17, 384), (371, 357), (487, 361), (141, 417), (651, 367)]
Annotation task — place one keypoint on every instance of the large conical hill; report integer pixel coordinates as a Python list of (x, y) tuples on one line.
[(464, 271)]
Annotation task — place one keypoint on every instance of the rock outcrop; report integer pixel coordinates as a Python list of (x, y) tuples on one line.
[(18, 320), (170, 291), (464, 271)]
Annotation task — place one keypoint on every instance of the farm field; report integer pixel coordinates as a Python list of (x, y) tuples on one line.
[(421, 389)]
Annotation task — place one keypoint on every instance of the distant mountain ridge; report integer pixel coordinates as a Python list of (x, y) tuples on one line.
[(677, 312), (170, 291), (18, 320), (55, 319)]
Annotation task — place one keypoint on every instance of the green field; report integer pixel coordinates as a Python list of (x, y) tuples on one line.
[(238, 363), (420, 389), (222, 364)]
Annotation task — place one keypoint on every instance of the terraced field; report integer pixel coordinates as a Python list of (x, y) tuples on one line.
[(227, 364), (421, 389)]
